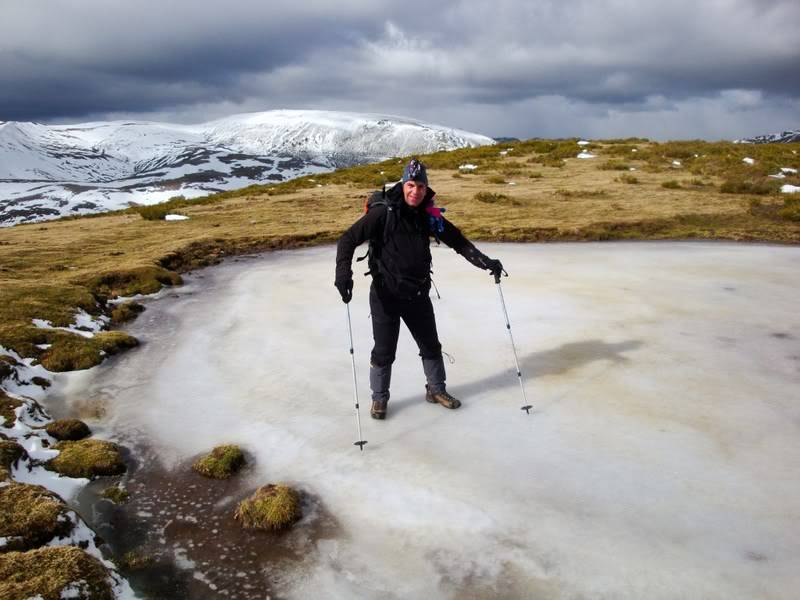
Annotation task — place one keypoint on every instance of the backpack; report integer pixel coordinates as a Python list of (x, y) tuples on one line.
[(373, 252)]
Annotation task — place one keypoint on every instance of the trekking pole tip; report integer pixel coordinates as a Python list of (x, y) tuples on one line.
[(527, 408), (360, 444)]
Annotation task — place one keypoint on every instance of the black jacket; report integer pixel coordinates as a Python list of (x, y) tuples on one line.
[(400, 260)]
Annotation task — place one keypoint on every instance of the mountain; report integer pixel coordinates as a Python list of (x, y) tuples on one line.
[(785, 137), (57, 170)]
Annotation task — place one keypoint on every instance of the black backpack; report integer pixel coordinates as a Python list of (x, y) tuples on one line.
[(373, 254)]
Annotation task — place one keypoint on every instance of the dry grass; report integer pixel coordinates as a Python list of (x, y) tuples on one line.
[(52, 573), (49, 270), (31, 516)]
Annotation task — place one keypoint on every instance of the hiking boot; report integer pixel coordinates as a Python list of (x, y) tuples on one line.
[(378, 410), (442, 398)]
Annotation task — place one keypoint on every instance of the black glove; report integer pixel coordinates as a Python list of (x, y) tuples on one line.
[(345, 288), (496, 269)]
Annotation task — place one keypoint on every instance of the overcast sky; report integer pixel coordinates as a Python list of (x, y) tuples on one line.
[(713, 69)]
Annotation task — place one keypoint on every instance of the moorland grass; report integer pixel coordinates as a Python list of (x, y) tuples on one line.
[(271, 507), (53, 573), (50, 271), (88, 458), (221, 463)]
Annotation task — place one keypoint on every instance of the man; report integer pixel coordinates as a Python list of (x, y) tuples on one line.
[(399, 223)]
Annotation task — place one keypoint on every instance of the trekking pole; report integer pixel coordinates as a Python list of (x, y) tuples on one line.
[(361, 441), (526, 407)]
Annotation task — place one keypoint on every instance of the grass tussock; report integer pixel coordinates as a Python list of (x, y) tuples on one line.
[(742, 186), (30, 516), (125, 312), (671, 184), (68, 430), (87, 458), (72, 352), (7, 407), (221, 463), (491, 198), (10, 454), (53, 573), (117, 494), (614, 165), (272, 507), (628, 179), (790, 210), (496, 180), (129, 282)]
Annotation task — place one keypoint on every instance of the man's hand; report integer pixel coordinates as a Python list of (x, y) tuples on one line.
[(345, 288), (496, 269)]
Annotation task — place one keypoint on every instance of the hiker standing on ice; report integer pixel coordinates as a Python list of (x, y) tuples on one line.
[(399, 224)]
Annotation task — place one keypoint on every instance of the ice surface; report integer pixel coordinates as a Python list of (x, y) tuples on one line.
[(660, 460)]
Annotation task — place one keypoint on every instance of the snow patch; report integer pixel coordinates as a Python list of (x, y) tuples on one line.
[(788, 170), (583, 143), (748, 160), (790, 189), (176, 218), (586, 155), (467, 167)]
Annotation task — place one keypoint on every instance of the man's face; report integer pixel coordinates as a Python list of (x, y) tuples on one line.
[(414, 192)]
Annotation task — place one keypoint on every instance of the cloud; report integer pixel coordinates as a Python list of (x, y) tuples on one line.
[(489, 63)]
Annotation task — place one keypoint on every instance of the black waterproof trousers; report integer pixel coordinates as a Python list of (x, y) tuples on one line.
[(417, 313)]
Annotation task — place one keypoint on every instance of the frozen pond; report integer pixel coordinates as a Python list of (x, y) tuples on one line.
[(660, 460)]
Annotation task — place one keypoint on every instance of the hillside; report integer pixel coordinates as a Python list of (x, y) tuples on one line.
[(63, 170), (526, 191)]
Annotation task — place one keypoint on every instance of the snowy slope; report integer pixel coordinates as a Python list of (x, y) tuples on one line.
[(51, 171), (785, 137)]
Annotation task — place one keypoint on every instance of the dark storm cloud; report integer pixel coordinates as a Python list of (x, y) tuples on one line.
[(183, 60)]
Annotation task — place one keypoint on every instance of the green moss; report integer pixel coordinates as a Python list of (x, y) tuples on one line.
[(31, 516), (72, 352), (47, 572), (68, 429), (127, 311), (272, 507), (87, 458), (117, 494), (221, 462), (7, 407)]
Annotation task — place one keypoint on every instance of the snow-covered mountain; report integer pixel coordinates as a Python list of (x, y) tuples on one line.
[(52, 171), (772, 138)]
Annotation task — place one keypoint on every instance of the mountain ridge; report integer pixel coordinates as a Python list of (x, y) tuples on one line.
[(48, 171)]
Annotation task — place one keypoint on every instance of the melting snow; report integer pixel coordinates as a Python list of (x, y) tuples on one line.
[(748, 160), (176, 218), (788, 170), (790, 189), (586, 155)]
